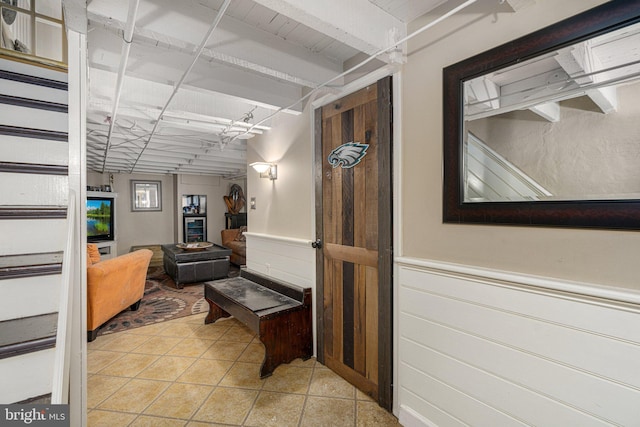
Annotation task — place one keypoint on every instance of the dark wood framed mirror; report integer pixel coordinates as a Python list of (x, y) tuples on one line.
[(545, 130)]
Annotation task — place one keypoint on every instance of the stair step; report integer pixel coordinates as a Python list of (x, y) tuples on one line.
[(30, 265), (34, 80), (27, 334), (39, 169), (32, 212), (44, 399), (33, 103), (52, 135)]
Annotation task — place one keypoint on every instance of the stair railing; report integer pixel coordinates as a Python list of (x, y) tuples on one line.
[(60, 388)]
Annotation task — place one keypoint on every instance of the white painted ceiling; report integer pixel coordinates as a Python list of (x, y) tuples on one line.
[(261, 59)]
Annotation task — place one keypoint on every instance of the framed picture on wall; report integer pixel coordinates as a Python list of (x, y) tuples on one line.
[(146, 196)]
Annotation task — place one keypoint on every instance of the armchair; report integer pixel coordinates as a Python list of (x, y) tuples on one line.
[(113, 285), (234, 239)]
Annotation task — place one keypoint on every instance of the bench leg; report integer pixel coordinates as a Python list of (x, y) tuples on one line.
[(284, 342), (215, 313)]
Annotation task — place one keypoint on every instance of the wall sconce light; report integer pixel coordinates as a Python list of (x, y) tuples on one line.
[(266, 170)]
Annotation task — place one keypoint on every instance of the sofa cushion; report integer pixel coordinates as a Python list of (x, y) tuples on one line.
[(93, 254), (241, 237), (237, 247)]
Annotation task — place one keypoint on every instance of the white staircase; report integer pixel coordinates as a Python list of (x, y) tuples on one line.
[(34, 194), (492, 178)]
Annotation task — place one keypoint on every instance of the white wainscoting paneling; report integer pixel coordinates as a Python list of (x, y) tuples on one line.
[(474, 350), (284, 258)]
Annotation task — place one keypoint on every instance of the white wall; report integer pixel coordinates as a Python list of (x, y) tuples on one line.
[(601, 257), (281, 227), (484, 336), (284, 207), (215, 188), (139, 228)]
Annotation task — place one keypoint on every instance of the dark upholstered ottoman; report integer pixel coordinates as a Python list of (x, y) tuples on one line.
[(189, 266)]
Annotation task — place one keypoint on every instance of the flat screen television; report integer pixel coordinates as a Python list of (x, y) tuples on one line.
[(100, 216)]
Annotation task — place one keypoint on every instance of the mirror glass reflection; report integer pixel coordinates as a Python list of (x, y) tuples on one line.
[(562, 126)]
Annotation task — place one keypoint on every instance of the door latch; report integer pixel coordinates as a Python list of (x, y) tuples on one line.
[(317, 244)]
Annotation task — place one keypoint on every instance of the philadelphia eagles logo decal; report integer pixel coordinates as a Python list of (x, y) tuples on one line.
[(347, 155)]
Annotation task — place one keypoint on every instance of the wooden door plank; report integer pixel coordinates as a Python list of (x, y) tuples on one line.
[(360, 320), (385, 245), (336, 182), (319, 214), (347, 182), (327, 182), (371, 165), (359, 183), (327, 306), (355, 255), (337, 311), (372, 324), (362, 96), (348, 299)]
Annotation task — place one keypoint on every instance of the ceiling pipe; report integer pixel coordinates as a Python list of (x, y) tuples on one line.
[(198, 52), (364, 62), (127, 38)]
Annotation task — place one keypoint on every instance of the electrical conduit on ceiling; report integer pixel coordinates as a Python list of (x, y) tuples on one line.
[(198, 52)]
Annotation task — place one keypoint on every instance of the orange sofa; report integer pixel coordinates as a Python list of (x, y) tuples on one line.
[(113, 285), (233, 238)]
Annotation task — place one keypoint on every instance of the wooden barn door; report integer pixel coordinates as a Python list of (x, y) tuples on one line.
[(353, 225)]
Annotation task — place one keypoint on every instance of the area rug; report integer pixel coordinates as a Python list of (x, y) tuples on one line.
[(162, 301)]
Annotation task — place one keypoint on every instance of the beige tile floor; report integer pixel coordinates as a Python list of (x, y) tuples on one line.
[(185, 373)]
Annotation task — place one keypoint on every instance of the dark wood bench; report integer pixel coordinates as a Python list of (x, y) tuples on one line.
[(278, 312)]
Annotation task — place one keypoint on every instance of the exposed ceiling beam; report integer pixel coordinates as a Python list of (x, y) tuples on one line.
[(196, 55), (145, 96), (580, 60), (124, 59), (357, 23), (213, 156), (237, 43), (166, 67), (516, 5), (549, 111)]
